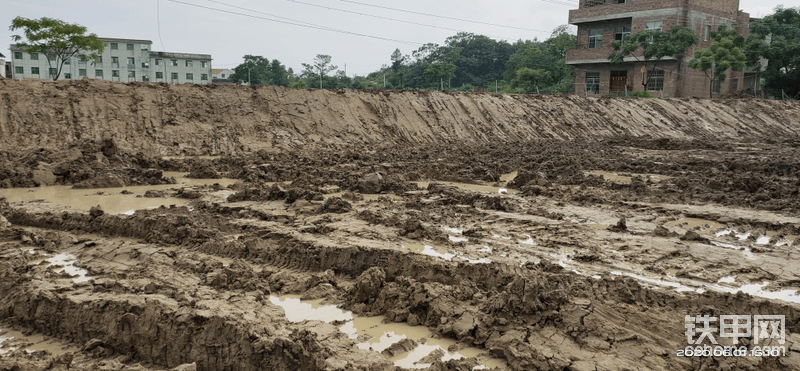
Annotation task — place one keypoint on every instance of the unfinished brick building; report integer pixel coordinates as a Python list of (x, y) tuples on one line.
[(600, 22)]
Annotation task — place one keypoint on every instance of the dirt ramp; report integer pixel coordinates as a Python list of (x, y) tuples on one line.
[(197, 119)]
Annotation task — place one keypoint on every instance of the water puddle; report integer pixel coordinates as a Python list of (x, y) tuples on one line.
[(508, 177), (744, 249), (66, 262), (11, 340), (110, 199), (787, 241), (472, 187), (690, 224), (380, 335), (429, 250), (763, 240), (728, 279), (614, 177), (721, 233)]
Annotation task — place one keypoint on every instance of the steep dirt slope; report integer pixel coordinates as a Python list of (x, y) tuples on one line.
[(194, 119)]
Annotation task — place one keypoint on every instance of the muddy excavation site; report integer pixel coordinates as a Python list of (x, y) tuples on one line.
[(180, 227)]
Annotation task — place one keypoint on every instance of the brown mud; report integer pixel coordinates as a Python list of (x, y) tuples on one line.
[(465, 222)]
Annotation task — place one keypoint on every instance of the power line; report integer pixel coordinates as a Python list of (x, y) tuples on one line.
[(445, 17), (392, 19), (158, 18), (293, 22), (560, 2)]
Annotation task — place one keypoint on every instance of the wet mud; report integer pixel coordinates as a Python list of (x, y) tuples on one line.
[(522, 254)]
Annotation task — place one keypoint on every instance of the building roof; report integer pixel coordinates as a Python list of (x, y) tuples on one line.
[(129, 40), (2, 56), (218, 70)]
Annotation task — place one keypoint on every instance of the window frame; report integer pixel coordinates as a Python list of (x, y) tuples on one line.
[(98, 73), (595, 82), (129, 46), (174, 62), (595, 40), (203, 77), (113, 46), (19, 70), (34, 70), (18, 55), (189, 63), (115, 73), (622, 32), (131, 61), (33, 56), (654, 29), (189, 76), (655, 80), (159, 75), (173, 76), (82, 72), (204, 64)]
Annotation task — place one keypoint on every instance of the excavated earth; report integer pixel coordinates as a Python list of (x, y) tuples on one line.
[(151, 227)]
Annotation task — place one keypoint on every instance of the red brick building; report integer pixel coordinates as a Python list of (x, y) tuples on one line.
[(600, 22)]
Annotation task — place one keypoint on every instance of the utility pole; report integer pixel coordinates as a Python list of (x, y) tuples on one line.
[(320, 77), (384, 81), (441, 82), (495, 86), (248, 76)]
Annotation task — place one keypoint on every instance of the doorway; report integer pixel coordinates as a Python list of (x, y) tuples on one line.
[(619, 79)]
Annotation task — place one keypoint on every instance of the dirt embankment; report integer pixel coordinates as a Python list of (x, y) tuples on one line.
[(194, 119)]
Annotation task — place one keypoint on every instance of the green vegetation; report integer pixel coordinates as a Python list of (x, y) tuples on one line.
[(257, 70), (654, 46), (57, 39), (726, 51), (776, 38)]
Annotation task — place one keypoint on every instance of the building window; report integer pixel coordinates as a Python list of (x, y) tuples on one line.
[(129, 46), (53, 72), (159, 75), (145, 64), (707, 33), (593, 81), (19, 70), (67, 75), (222, 75), (653, 26), (98, 73), (132, 74), (67, 61), (190, 76), (204, 64), (98, 60), (188, 63), (51, 57), (621, 33), (655, 81), (115, 62), (145, 48), (131, 62), (174, 62), (173, 75), (204, 76), (145, 78), (595, 38), (114, 46), (624, 1), (114, 73), (82, 72), (34, 70), (17, 55), (734, 85), (158, 62), (34, 56)]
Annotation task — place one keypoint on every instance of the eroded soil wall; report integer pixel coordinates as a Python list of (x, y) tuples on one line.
[(194, 119)]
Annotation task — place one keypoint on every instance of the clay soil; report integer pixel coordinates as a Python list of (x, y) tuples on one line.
[(569, 251)]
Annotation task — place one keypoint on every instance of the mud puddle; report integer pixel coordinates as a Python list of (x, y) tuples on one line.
[(373, 334), (617, 178), (700, 225), (204, 157), (471, 187), (110, 199), (65, 262), (11, 340)]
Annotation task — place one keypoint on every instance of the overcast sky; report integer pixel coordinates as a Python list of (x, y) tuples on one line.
[(228, 36)]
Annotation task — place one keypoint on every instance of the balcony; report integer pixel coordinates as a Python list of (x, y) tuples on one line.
[(604, 10)]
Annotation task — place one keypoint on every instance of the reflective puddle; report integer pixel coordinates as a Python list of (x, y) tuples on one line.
[(11, 340), (471, 187), (380, 336), (110, 199), (690, 224), (65, 263), (614, 177)]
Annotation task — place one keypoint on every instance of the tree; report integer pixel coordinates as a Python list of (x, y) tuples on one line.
[(51, 36), (397, 60), (437, 72), (255, 71), (776, 38), (321, 64), (529, 79), (724, 53), (654, 46)]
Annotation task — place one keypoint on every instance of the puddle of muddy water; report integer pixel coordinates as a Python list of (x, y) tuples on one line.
[(65, 263), (110, 199), (508, 177), (613, 177), (11, 340), (429, 250), (690, 224), (381, 335), (205, 157), (472, 187)]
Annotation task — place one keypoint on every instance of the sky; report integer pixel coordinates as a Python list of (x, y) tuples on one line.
[(295, 31)]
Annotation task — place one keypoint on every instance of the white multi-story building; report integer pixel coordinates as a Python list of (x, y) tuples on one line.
[(221, 73), (122, 60)]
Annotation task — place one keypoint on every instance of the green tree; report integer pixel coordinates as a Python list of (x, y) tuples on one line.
[(51, 36), (397, 60), (654, 46), (724, 53), (437, 72), (255, 70), (530, 80), (776, 38), (322, 65)]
